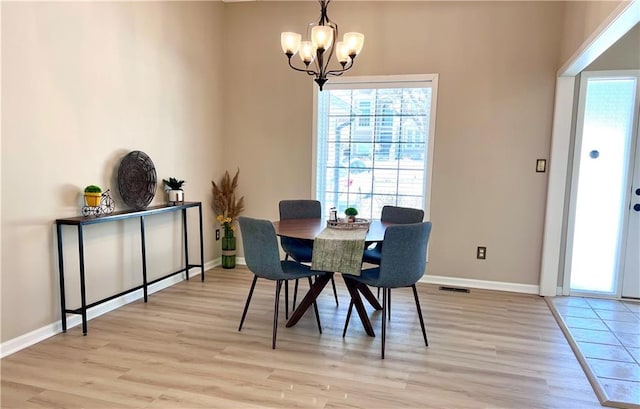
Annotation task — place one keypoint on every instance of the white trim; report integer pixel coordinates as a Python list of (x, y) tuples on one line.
[(481, 284), (552, 248), (619, 22), (380, 81), (31, 338)]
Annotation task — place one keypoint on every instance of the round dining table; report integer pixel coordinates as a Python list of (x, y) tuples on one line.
[(309, 229)]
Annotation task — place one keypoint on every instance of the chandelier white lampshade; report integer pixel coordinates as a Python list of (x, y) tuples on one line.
[(342, 52), (355, 41), (290, 42), (321, 46), (322, 37), (307, 52)]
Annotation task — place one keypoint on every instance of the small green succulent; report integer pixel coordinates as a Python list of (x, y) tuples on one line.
[(92, 189), (351, 211), (173, 184)]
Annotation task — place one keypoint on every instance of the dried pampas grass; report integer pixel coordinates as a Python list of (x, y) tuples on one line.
[(224, 196)]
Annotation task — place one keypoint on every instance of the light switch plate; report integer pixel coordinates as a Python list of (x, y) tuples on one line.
[(541, 165)]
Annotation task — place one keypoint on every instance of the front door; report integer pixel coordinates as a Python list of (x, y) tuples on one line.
[(631, 269), (603, 240)]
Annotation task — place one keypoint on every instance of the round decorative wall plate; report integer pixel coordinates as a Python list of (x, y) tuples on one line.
[(137, 179)]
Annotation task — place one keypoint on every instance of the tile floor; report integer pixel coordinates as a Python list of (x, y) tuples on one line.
[(607, 334)]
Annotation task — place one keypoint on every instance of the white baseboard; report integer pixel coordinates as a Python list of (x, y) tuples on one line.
[(481, 284), (469, 283), (23, 341)]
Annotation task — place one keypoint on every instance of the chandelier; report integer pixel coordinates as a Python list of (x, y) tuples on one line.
[(321, 47)]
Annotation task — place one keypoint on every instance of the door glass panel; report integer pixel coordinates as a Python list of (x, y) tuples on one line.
[(602, 181)]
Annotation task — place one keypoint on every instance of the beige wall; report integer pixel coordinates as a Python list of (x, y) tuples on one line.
[(203, 87), (83, 83), (497, 64), (623, 55), (582, 18)]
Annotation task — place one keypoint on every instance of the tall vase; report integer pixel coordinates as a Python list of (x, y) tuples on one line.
[(228, 249)]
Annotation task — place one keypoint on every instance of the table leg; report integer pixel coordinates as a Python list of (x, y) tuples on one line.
[(309, 298), (83, 292), (353, 287), (186, 242), (366, 292), (144, 259), (63, 306), (201, 244)]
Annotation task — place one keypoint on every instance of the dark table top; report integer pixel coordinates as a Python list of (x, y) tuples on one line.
[(309, 229)]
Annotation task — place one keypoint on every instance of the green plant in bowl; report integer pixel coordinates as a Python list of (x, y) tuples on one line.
[(351, 213), (93, 189), (173, 184), (92, 195)]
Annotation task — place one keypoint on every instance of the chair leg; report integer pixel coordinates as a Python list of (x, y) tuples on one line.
[(315, 305), (246, 305), (389, 304), (286, 299), (346, 322), (378, 296), (384, 319), (295, 294), (424, 333), (335, 293), (275, 313)]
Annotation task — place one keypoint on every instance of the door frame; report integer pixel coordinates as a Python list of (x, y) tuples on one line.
[(619, 22)]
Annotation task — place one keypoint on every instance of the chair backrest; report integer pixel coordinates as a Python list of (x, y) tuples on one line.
[(300, 209), (404, 254), (401, 215), (260, 246)]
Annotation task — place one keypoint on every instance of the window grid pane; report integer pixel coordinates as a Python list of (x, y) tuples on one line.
[(372, 148)]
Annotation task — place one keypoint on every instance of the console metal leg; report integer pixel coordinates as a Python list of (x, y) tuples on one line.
[(186, 242), (83, 292), (63, 306), (201, 244), (144, 259)]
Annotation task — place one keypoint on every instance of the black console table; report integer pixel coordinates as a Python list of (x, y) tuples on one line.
[(80, 222)]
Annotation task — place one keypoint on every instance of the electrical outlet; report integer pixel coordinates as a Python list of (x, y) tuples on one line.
[(481, 253), (217, 234)]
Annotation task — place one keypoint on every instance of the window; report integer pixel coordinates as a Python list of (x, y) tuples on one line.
[(374, 140), (364, 116)]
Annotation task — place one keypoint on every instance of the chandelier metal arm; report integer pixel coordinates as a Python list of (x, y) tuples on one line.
[(308, 71), (345, 67)]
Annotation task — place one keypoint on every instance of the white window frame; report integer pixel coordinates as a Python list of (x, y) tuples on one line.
[(382, 81)]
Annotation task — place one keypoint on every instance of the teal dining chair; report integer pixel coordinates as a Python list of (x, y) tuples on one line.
[(395, 215), (402, 264), (300, 250), (262, 256)]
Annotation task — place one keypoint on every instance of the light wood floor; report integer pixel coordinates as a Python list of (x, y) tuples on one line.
[(183, 350)]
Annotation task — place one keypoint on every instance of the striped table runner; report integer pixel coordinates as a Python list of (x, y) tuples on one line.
[(339, 250)]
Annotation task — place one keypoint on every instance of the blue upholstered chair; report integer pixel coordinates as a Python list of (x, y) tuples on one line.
[(262, 256), (298, 249), (396, 215), (402, 264)]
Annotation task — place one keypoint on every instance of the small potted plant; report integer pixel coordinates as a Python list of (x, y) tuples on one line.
[(174, 187), (351, 213), (92, 194)]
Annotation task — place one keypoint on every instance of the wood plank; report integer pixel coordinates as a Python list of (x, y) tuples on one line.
[(183, 349)]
